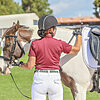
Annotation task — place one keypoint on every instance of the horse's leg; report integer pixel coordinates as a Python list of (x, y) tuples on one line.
[(78, 90), (81, 92), (69, 82)]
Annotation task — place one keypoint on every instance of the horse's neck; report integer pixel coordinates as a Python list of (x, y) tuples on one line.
[(2, 46), (26, 45)]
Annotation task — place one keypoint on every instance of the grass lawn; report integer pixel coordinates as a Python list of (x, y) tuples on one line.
[(24, 79)]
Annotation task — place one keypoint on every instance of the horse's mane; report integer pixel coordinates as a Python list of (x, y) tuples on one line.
[(15, 28), (7, 31)]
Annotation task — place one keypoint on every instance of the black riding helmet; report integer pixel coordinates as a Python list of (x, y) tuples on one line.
[(46, 22)]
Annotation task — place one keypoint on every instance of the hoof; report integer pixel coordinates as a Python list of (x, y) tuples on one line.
[(93, 88), (99, 91)]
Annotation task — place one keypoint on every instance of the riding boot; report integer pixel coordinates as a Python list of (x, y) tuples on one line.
[(98, 81)]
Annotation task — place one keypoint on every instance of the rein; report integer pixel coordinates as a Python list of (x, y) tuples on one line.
[(71, 39)]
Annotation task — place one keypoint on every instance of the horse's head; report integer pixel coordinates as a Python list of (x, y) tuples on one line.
[(14, 40)]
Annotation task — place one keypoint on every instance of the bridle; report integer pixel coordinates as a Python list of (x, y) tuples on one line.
[(10, 60)]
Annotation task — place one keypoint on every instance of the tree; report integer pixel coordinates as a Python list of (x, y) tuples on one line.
[(9, 7), (97, 8), (40, 7)]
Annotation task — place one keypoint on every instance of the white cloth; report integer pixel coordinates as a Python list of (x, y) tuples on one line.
[(44, 83), (87, 56)]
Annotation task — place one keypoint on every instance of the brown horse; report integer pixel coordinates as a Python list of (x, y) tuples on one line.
[(15, 39)]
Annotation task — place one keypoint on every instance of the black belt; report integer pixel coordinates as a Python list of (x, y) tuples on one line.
[(47, 71)]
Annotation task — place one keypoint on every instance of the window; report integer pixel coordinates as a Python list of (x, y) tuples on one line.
[(35, 22)]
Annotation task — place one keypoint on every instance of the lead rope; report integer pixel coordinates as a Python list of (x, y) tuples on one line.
[(17, 87)]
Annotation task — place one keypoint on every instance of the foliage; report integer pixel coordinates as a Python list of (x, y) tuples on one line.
[(40, 7), (97, 8), (9, 7)]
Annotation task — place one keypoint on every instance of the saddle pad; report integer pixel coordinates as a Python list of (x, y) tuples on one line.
[(87, 56)]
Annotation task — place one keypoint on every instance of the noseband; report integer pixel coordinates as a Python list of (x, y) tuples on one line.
[(13, 50)]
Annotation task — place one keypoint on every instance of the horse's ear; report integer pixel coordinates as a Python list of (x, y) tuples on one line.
[(17, 25), (18, 22), (13, 23)]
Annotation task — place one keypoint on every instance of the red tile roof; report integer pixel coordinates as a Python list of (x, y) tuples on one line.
[(78, 20)]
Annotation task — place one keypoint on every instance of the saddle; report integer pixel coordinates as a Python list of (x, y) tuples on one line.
[(94, 42)]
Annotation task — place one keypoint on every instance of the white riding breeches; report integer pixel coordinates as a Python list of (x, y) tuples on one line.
[(44, 83)]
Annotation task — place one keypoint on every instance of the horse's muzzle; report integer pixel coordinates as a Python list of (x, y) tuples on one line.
[(6, 72)]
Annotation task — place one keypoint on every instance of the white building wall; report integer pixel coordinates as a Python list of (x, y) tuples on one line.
[(27, 19), (6, 21)]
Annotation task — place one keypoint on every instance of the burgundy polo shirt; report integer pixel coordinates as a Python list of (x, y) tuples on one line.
[(47, 52)]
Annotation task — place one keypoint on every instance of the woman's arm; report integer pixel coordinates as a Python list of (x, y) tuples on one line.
[(77, 46), (30, 63)]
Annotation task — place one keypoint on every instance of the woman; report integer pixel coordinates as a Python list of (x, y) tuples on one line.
[(45, 54)]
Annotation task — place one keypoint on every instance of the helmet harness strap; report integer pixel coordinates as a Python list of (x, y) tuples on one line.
[(52, 32)]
